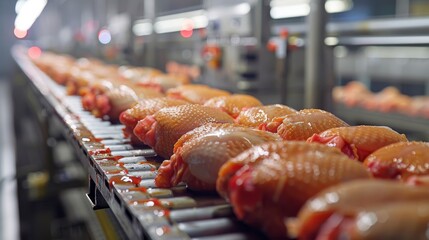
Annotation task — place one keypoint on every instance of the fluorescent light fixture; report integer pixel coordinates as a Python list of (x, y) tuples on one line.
[(19, 5), (331, 41), (142, 27), (336, 6), (177, 22), (28, 14), (242, 8), (290, 11), (299, 8)]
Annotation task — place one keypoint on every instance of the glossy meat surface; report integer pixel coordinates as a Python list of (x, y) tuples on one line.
[(195, 93), (162, 130), (269, 182), (199, 154), (358, 141), (303, 124), (146, 107), (112, 103), (255, 116), (399, 160), (365, 209), (233, 104)]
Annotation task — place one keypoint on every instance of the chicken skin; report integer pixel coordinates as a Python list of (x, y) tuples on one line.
[(267, 183), (195, 93), (399, 161), (358, 142), (303, 124), (144, 108), (364, 209), (199, 154), (233, 104), (162, 130), (112, 103), (255, 116)]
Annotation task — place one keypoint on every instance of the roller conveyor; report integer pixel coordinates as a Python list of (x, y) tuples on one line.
[(122, 176)]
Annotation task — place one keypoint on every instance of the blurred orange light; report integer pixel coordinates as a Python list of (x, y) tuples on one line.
[(34, 52), (20, 33)]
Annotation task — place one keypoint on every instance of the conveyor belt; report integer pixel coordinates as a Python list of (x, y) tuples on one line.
[(122, 176)]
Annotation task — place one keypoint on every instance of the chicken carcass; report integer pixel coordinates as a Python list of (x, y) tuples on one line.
[(364, 209), (303, 124), (144, 108), (199, 154), (358, 142), (269, 182), (162, 130), (233, 104), (255, 116), (400, 160), (195, 93)]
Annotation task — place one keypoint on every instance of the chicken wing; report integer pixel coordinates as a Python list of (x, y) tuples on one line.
[(199, 154)]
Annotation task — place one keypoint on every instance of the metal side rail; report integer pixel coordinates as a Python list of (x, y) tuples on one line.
[(122, 176)]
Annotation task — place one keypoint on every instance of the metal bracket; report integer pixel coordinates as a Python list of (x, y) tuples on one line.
[(95, 197)]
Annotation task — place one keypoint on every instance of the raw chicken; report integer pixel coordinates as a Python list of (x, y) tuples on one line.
[(358, 142), (303, 124), (387, 100), (255, 116), (195, 93), (365, 209), (199, 154), (352, 94), (144, 108), (272, 181), (233, 104), (399, 160), (165, 81), (162, 130), (114, 102)]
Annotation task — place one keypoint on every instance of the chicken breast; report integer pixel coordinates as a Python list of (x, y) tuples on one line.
[(400, 160), (365, 209), (303, 124), (358, 142), (199, 154), (233, 104), (255, 116), (269, 182), (162, 130)]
